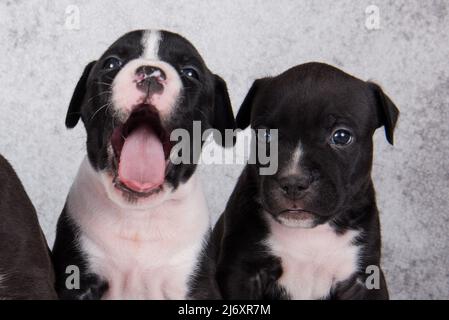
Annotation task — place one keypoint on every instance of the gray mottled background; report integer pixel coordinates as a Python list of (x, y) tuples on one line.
[(41, 61)]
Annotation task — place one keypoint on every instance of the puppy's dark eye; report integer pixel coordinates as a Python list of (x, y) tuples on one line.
[(112, 63), (190, 72), (341, 137)]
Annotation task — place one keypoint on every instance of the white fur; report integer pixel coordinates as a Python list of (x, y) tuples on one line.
[(296, 223), (150, 41), (126, 95), (293, 166), (313, 260), (143, 253)]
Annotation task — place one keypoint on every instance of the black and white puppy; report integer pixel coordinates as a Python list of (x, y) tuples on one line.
[(134, 222), (311, 230), (26, 271)]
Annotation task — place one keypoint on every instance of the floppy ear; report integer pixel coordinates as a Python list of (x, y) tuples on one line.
[(223, 115), (243, 119), (74, 112), (387, 111)]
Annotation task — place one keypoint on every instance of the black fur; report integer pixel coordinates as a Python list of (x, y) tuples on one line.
[(204, 99), (66, 253), (24, 255), (306, 103)]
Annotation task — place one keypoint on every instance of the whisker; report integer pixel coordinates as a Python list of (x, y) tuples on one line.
[(104, 83), (101, 93), (99, 109)]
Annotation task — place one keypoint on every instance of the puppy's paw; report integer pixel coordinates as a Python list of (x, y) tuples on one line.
[(95, 288), (92, 287), (263, 283)]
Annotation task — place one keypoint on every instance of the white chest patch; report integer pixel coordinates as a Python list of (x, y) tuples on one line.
[(143, 254), (313, 260)]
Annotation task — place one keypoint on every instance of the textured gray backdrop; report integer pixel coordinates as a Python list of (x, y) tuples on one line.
[(41, 60)]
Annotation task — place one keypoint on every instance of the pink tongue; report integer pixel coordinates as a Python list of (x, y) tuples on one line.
[(142, 161)]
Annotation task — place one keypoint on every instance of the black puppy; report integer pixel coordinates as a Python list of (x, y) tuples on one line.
[(311, 230), (135, 221), (26, 271)]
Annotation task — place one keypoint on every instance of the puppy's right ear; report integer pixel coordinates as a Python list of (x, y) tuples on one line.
[(74, 112), (243, 118)]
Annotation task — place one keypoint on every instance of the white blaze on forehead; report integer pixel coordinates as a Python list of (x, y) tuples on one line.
[(150, 42), (126, 95), (293, 165)]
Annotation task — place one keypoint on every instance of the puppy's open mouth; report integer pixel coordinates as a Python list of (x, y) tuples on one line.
[(141, 148)]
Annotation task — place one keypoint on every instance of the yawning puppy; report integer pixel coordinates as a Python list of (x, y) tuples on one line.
[(134, 222), (310, 231), (26, 271)]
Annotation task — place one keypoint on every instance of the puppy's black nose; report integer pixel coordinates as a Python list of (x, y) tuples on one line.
[(150, 79), (293, 186)]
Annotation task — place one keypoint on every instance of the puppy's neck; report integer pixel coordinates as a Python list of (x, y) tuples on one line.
[(90, 207)]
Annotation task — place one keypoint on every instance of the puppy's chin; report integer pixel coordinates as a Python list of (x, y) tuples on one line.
[(293, 219), (129, 200)]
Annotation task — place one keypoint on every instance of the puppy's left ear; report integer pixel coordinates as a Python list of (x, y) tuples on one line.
[(223, 115), (387, 111), (74, 112), (243, 118)]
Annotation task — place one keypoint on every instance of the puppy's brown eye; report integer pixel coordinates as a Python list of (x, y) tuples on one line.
[(112, 63), (341, 137)]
